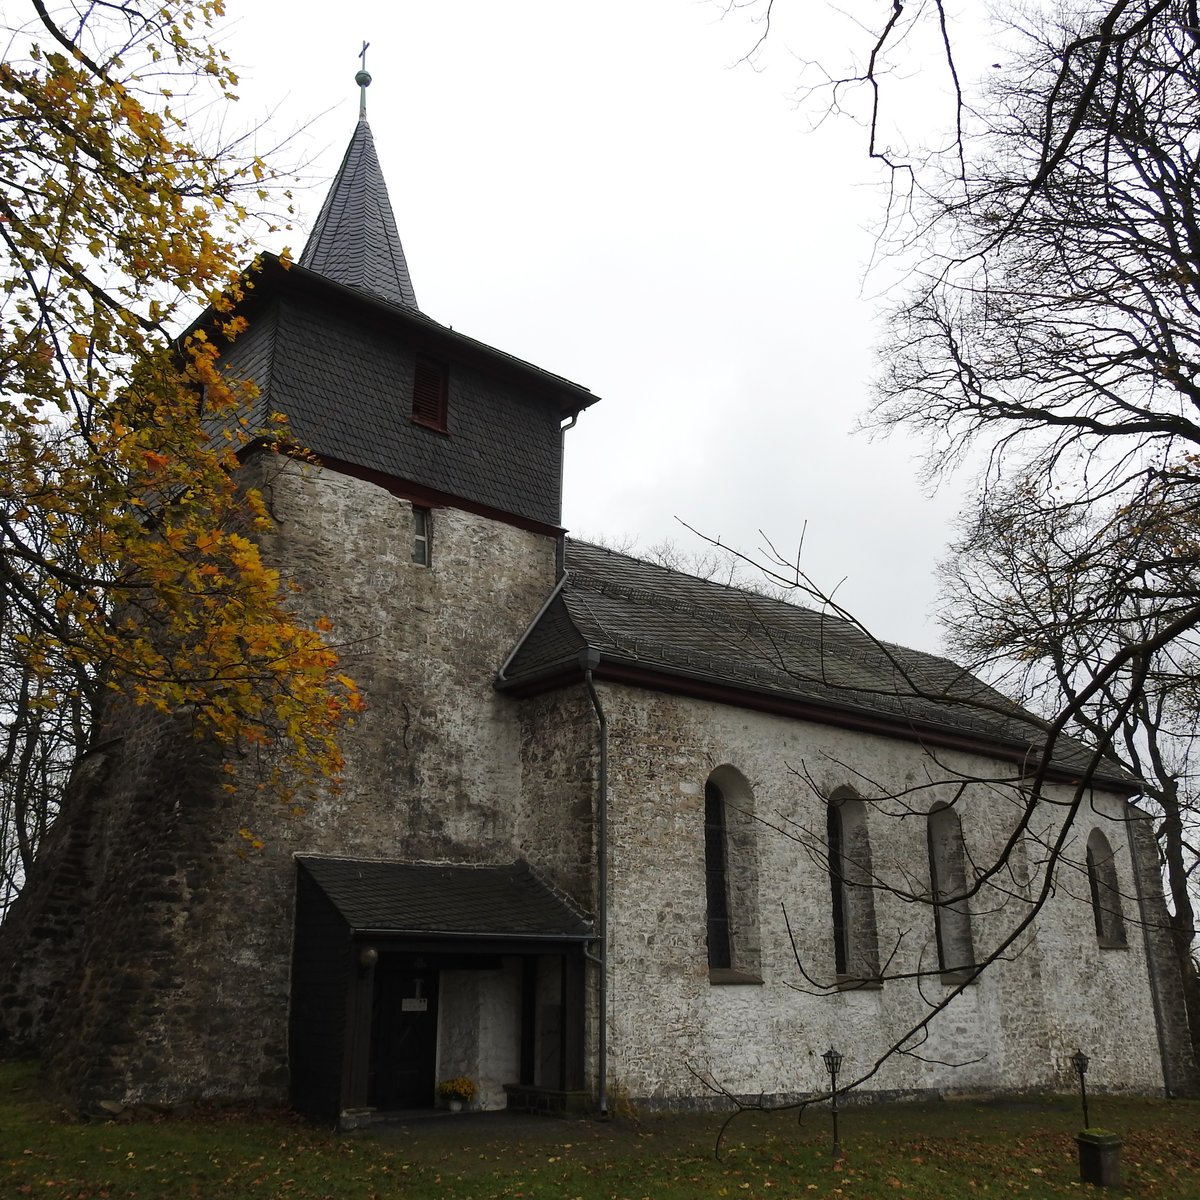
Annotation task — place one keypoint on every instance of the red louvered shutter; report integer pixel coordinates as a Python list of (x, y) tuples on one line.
[(429, 394)]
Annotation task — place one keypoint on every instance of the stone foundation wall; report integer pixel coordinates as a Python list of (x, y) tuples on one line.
[(166, 973), (42, 932), (111, 966)]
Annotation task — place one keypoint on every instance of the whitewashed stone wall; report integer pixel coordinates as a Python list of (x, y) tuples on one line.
[(1013, 1029), (559, 777), (499, 1034), (433, 767)]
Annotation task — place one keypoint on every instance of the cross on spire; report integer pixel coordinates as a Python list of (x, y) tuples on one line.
[(355, 241), (363, 79)]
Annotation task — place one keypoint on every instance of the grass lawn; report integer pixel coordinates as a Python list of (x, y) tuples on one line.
[(951, 1149)]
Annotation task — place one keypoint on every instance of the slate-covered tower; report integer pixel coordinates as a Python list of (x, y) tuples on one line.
[(428, 525)]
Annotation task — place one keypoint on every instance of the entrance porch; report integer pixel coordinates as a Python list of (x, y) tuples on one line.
[(407, 974)]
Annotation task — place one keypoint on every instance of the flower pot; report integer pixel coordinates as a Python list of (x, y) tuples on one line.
[(1099, 1157)]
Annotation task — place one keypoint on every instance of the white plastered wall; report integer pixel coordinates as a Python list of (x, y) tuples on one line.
[(1052, 990)]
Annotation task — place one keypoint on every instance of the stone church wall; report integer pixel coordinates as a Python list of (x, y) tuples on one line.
[(42, 931), (179, 966), (1180, 1068), (1054, 989), (140, 853), (154, 948), (433, 767), (560, 765)]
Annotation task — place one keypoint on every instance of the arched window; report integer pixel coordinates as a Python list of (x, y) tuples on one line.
[(948, 884), (1106, 895), (716, 875), (855, 943), (731, 878)]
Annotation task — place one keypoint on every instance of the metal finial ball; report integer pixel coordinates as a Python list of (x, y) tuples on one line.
[(363, 79)]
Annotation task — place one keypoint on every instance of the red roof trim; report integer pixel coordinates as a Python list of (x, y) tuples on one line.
[(429, 498)]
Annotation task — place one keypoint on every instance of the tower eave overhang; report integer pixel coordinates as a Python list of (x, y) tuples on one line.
[(272, 278)]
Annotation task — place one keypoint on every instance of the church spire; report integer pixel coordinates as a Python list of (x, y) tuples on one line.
[(355, 240)]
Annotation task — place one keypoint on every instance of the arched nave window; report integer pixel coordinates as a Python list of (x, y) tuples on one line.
[(731, 878), (1106, 894), (948, 884), (855, 942)]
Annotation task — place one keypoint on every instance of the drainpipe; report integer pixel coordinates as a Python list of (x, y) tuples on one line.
[(561, 548), (590, 659), (562, 454)]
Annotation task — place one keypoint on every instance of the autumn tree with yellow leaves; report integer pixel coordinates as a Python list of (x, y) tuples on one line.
[(128, 560)]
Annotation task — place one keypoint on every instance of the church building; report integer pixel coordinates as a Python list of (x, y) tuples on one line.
[(606, 830)]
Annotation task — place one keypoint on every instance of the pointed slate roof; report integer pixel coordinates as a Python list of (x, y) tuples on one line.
[(355, 241), (641, 623)]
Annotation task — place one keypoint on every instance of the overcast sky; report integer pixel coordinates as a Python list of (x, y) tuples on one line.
[(601, 190)]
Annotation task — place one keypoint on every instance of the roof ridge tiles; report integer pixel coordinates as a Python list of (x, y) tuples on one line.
[(503, 864)]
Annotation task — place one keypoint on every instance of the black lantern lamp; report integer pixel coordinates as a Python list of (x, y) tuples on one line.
[(833, 1064), (1080, 1061)]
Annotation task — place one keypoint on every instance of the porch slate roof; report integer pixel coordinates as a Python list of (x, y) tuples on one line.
[(640, 621), (446, 899)]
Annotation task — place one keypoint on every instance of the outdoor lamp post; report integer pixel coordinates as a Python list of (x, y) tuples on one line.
[(833, 1064), (1079, 1061)]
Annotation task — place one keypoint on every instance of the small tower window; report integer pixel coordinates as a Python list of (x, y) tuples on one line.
[(422, 542), (429, 394)]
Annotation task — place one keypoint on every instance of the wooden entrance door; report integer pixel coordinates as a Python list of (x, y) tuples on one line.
[(403, 1035)]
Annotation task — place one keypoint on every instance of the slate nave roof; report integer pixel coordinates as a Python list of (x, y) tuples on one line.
[(652, 626)]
